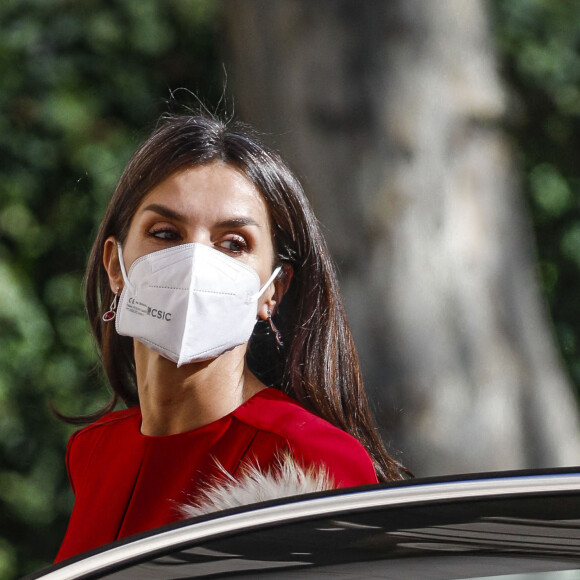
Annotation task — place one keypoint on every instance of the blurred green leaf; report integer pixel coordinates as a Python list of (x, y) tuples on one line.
[(550, 190), (8, 559)]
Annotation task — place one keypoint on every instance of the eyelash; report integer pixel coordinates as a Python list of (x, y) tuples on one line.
[(173, 234), (239, 241)]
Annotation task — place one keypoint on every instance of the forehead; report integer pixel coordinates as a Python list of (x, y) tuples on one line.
[(215, 189)]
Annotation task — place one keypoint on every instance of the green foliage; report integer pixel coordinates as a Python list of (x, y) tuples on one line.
[(539, 42), (81, 83)]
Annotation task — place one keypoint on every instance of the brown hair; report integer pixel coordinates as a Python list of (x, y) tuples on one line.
[(319, 364)]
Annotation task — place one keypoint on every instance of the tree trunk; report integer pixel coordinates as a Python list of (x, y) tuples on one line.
[(389, 112)]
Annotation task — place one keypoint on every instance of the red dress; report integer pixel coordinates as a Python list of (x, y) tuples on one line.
[(125, 482)]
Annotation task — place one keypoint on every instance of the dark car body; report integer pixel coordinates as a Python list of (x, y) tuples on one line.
[(514, 525)]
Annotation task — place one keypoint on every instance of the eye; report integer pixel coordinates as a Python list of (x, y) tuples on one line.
[(164, 233), (235, 245)]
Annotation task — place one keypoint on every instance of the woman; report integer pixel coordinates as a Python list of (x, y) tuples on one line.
[(208, 232)]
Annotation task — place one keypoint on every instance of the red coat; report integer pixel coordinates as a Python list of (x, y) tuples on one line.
[(125, 482)]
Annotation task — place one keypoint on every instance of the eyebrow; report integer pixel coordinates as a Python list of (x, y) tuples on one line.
[(165, 212), (238, 222), (172, 214)]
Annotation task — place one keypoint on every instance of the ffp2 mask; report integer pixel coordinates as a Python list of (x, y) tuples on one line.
[(189, 302)]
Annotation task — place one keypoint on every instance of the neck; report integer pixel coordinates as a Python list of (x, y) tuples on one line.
[(174, 400)]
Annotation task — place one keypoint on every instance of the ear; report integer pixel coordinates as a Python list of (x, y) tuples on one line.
[(111, 263), (274, 294)]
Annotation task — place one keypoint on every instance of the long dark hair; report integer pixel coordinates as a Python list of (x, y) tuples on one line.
[(319, 365)]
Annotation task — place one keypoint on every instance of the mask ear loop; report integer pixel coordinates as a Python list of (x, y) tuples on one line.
[(123, 271), (263, 289)]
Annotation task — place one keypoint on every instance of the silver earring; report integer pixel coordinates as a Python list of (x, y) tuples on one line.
[(110, 314), (276, 332)]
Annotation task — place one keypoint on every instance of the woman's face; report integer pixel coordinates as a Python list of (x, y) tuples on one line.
[(211, 204)]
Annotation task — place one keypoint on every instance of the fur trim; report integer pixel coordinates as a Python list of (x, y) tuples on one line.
[(286, 478)]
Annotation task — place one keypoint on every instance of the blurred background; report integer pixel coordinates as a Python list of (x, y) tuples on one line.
[(438, 142)]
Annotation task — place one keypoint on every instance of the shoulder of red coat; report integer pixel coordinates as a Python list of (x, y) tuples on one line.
[(274, 411), (311, 439), (109, 419)]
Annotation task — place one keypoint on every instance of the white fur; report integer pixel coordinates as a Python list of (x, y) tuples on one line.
[(286, 478)]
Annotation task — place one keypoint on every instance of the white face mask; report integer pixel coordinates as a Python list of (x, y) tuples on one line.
[(189, 302)]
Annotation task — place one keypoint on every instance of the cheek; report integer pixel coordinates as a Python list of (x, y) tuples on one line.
[(267, 262), (130, 253)]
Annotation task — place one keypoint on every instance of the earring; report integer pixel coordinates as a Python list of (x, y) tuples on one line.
[(276, 332), (110, 314)]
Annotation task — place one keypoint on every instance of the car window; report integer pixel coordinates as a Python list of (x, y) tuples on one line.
[(530, 538)]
